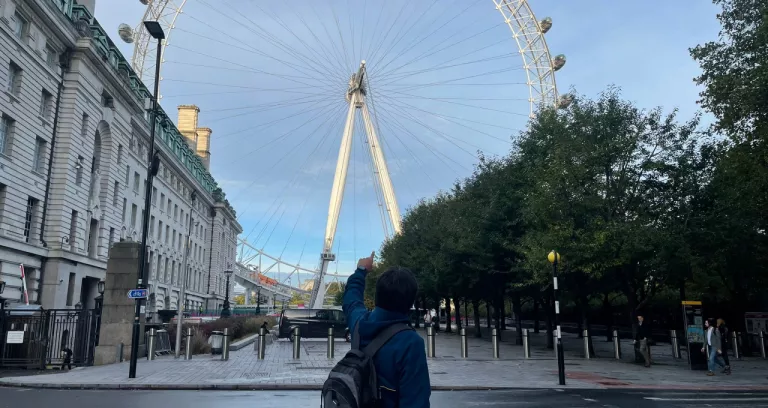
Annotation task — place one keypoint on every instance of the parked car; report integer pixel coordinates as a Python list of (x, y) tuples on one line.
[(313, 323)]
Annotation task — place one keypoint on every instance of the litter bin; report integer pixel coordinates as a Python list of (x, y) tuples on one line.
[(216, 341)]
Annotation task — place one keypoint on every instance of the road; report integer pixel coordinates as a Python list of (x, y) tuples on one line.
[(21, 398)]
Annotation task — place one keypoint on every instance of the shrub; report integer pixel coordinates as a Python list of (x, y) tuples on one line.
[(239, 327)]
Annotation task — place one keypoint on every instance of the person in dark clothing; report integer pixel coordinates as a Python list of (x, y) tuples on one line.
[(641, 340), (67, 358), (401, 363), (725, 335)]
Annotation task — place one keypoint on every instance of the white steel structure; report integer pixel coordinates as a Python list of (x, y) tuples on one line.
[(145, 47), (527, 32)]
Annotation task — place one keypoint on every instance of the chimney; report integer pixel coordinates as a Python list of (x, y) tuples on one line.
[(187, 124), (204, 146)]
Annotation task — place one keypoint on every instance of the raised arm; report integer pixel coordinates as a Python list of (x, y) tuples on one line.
[(353, 303)]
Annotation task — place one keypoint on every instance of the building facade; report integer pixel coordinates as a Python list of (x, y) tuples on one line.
[(74, 140)]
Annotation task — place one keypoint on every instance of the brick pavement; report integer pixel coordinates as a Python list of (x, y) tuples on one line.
[(448, 371)]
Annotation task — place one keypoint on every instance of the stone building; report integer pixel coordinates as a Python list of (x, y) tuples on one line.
[(74, 137)]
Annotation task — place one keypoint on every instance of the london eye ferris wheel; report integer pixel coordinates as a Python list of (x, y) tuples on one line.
[(403, 94)]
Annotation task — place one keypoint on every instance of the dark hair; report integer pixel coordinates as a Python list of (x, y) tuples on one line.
[(396, 290)]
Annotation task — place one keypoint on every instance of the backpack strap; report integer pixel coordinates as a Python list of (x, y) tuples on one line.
[(383, 337), (356, 335)]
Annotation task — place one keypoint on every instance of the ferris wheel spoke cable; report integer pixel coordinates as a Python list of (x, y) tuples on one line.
[(380, 44), (405, 32), (335, 62), (333, 71), (393, 76), (406, 87), (453, 119), (387, 115), (341, 37), (290, 151), (252, 110), (291, 65), (280, 103), (470, 106), (420, 40)]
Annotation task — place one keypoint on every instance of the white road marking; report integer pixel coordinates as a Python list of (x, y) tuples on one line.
[(590, 400), (705, 400)]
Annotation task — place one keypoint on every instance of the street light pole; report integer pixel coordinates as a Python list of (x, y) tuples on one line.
[(183, 294), (225, 310), (554, 258), (156, 31)]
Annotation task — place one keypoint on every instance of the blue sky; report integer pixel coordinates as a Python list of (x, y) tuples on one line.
[(446, 82)]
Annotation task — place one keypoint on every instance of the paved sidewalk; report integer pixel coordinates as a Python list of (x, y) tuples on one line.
[(448, 371)]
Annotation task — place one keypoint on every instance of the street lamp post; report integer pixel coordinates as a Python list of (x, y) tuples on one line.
[(554, 259), (183, 294), (156, 31), (225, 310), (99, 308)]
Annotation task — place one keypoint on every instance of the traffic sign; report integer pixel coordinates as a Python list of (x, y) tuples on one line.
[(137, 294)]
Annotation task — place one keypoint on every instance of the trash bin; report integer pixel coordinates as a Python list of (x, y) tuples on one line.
[(216, 341)]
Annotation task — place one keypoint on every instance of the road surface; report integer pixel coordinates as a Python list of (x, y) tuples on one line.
[(19, 398)]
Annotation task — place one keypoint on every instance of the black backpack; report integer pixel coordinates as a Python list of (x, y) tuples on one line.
[(352, 383)]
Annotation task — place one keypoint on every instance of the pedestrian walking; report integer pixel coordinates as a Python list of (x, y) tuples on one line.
[(641, 340), (714, 341), (67, 358), (725, 335), (387, 366), (427, 320)]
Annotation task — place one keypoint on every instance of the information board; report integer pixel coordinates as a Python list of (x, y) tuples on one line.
[(14, 337), (693, 321)]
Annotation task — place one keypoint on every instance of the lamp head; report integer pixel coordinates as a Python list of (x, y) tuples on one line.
[(553, 256), (101, 286), (154, 29)]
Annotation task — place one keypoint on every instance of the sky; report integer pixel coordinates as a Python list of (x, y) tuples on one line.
[(445, 82)]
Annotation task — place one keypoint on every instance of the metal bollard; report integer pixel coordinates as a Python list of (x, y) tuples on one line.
[(736, 350), (188, 348), (616, 345), (152, 344), (331, 341), (463, 336), (526, 344), (762, 344), (675, 343), (585, 335), (495, 342), (431, 342), (296, 343), (225, 346), (262, 346)]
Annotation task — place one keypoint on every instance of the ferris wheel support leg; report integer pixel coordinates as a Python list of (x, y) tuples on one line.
[(382, 171), (334, 207)]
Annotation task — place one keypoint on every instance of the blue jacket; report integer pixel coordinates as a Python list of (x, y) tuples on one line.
[(401, 364)]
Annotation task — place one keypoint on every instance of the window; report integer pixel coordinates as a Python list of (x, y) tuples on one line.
[(111, 237), (154, 196), (84, 126), (116, 194), (19, 25), (7, 126), (165, 270), (29, 218), (125, 204), (134, 210), (175, 213), (167, 233), (151, 225), (73, 230), (135, 182), (50, 56), (79, 170), (119, 154), (93, 238), (162, 200), (14, 79), (173, 239), (169, 207), (160, 230), (38, 164), (107, 101), (71, 289), (46, 105), (127, 175)]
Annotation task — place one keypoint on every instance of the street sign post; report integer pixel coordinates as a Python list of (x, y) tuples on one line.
[(137, 293)]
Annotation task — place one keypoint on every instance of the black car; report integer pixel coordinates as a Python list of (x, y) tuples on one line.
[(313, 323)]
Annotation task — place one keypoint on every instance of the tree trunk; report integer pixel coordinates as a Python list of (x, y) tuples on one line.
[(466, 313), (608, 317), (488, 313), (536, 315), (476, 310), (503, 314), (457, 311), (550, 329), (517, 309), (448, 315)]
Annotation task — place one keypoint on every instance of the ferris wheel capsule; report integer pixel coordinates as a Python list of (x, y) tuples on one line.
[(545, 25), (565, 101), (144, 2), (126, 33), (558, 62)]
